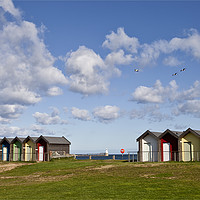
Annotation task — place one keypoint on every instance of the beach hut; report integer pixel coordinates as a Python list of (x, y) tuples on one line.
[(169, 145), (6, 144), (148, 146), (49, 147), (16, 149), (190, 145), (29, 148)]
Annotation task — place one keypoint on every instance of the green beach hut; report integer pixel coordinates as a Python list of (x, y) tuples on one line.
[(16, 149)]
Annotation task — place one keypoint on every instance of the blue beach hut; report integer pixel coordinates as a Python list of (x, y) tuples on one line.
[(5, 142)]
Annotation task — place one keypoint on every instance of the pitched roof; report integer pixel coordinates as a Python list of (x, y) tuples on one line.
[(174, 133), (157, 134), (21, 140), (178, 133), (9, 140), (50, 140), (54, 140), (33, 139), (197, 131), (189, 130), (154, 134)]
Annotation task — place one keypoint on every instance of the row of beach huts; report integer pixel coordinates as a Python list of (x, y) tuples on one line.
[(169, 146), (152, 147), (41, 148)]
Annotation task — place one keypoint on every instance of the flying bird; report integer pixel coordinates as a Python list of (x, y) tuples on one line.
[(136, 70), (174, 74), (182, 70)]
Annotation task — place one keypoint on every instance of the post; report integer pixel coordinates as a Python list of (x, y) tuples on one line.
[(152, 156), (90, 157), (129, 157), (113, 157), (174, 156), (22, 159), (159, 157), (74, 156)]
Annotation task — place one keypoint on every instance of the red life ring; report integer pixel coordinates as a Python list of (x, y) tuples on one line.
[(122, 150)]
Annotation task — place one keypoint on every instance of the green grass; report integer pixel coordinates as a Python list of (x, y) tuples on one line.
[(89, 179)]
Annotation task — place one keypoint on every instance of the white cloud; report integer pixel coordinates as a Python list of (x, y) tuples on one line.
[(13, 131), (27, 71), (118, 58), (180, 126), (148, 53), (171, 61), (107, 113), (81, 114), (23, 58), (191, 107), (156, 94), (116, 41), (8, 6), (153, 94), (87, 72), (151, 113), (49, 119), (46, 119), (192, 93), (9, 112), (190, 44), (54, 91), (34, 130), (181, 101), (18, 95), (38, 130)]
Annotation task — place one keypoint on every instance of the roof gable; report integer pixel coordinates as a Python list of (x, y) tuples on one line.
[(176, 134), (189, 130), (57, 140), (8, 140), (154, 134), (54, 140), (33, 139), (21, 140)]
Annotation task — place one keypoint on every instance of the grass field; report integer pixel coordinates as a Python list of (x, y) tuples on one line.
[(102, 179)]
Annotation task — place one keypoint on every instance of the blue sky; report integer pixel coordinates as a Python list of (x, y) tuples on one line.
[(67, 68)]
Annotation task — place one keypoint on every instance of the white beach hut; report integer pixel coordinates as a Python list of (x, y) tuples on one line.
[(148, 146)]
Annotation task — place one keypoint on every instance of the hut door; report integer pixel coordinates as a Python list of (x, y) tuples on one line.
[(5, 152), (166, 151), (41, 153), (28, 153), (147, 153), (17, 152), (187, 151)]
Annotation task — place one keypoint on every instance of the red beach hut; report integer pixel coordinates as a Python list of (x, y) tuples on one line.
[(169, 145)]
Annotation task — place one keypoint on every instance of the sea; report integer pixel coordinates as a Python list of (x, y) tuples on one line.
[(109, 157)]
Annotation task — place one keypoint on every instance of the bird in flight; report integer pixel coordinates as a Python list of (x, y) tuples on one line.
[(174, 74), (136, 70), (182, 70)]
